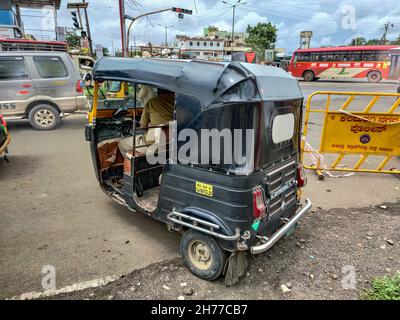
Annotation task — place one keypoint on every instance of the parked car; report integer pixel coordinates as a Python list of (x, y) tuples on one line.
[(4, 138), (40, 86)]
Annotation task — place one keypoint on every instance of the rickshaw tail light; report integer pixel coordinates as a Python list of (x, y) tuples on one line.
[(258, 203), (78, 87), (3, 122), (301, 176)]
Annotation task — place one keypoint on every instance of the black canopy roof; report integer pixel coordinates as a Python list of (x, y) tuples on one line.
[(203, 79)]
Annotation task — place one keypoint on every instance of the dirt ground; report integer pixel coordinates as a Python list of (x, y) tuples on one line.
[(310, 263)]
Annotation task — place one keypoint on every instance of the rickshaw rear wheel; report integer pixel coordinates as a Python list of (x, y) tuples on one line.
[(202, 255)]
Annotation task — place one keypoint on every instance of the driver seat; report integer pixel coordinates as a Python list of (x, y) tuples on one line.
[(160, 136)]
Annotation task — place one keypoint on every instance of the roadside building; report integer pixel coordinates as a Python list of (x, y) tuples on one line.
[(237, 44), (214, 44), (201, 47)]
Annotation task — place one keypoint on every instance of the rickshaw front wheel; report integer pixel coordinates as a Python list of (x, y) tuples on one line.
[(202, 255)]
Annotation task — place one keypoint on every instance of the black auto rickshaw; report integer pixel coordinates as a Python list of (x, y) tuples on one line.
[(223, 208)]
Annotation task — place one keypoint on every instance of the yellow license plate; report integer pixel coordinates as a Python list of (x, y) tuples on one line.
[(204, 189)]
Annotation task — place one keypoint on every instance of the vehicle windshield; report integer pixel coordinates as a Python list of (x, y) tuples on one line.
[(117, 94)]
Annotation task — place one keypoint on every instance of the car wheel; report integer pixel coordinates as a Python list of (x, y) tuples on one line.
[(308, 76), (202, 255), (374, 76), (44, 117)]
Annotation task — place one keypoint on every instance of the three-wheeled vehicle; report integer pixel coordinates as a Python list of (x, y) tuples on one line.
[(224, 208)]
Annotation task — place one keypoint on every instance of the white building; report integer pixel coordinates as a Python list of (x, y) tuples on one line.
[(200, 47)]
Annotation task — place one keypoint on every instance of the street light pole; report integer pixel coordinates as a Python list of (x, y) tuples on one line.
[(88, 28), (124, 16), (233, 5), (133, 19), (166, 33)]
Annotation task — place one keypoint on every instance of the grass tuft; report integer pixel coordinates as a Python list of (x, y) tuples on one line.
[(385, 288)]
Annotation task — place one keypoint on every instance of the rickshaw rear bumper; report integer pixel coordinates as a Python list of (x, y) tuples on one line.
[(269, 242)]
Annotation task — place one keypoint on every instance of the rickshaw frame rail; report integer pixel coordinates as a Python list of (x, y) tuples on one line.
[(282, 231), (172, 217)]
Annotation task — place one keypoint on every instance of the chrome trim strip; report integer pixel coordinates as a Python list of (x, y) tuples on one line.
[(206, 223), (279, 234), (281, 168)]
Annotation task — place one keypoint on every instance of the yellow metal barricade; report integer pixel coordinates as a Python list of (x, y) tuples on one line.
[(362, 132)]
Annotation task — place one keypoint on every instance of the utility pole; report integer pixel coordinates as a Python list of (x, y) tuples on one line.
[(88, 28), (123, 27), (386, 28), (166, 33), (79, 17), (83, 5), (233, 5), (55, 20)]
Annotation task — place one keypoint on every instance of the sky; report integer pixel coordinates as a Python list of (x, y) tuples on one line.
[(333, 22)]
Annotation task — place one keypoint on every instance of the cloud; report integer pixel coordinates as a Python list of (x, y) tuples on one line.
[(323, 17), (251, 18)]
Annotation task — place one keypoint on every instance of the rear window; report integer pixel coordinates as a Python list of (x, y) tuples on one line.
[(283, 127), (13, 69), (50, 67), (279, 131)]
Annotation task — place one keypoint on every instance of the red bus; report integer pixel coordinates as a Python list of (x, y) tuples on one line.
[(371, 62)]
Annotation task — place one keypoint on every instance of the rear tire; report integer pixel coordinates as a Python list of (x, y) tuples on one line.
[(202, 255), (374, 77), (308, 76), (44, 117)]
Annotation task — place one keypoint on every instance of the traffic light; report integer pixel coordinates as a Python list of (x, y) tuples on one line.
[(75, 20), (182, 11)]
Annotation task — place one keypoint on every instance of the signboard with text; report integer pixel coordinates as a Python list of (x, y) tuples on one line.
[(360, 133)]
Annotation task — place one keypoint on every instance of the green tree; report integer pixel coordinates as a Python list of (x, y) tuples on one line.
[(261, 37), (359, 41), (106, 53), (373, 42), (396, 42), (212, 29), (72, 39)]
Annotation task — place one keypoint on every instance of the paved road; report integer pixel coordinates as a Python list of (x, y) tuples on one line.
[(53, 213)]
